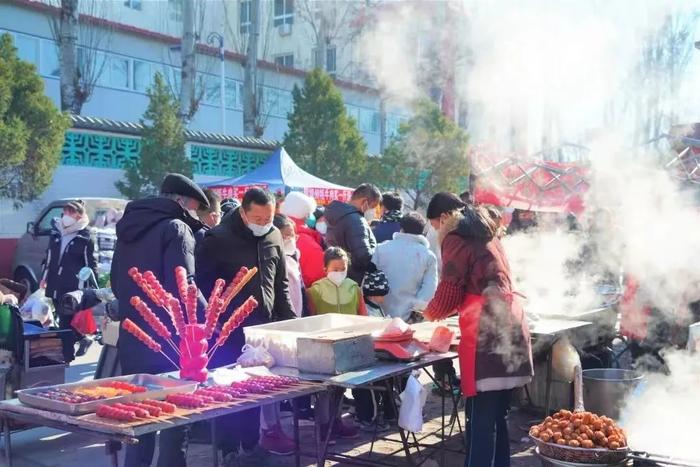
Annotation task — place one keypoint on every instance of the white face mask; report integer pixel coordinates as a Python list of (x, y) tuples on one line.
[(290, 247), (337, 277), (67, 221), (369, 215), (260, 230), (322, 228)]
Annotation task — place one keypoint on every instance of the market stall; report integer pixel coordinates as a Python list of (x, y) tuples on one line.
[(280, 174)]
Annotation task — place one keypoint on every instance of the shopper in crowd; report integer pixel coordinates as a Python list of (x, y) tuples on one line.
[(373, 409), (522, 221), (494, 352), (71, 248), (336, 293), (349, 230), (299, 207), (384, 230), (246, 238), (210, 215), (319, 221), (273, 438), (229, 205), (410, 267), (155, 234)]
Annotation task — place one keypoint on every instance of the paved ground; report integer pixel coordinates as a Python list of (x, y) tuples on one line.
[(43, 447)]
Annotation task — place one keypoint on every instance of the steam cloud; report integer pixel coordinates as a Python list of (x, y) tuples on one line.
[(545, 72)]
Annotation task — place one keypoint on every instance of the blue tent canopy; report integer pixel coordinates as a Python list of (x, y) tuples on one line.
[(280, 173)]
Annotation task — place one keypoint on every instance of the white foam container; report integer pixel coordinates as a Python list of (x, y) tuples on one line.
[(280, 337)]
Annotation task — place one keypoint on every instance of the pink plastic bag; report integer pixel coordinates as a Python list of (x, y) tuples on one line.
[(441, 340)]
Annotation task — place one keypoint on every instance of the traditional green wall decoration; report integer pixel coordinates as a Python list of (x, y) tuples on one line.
[(88, 149)]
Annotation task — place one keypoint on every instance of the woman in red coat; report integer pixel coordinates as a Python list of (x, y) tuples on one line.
[(298, 207), (494, 352)]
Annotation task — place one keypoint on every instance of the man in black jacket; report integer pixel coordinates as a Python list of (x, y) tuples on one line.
[(155, 234), (246, 237), (348, 229)]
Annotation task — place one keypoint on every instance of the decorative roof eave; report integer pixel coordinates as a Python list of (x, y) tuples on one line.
[(131, 128), (172, 40)]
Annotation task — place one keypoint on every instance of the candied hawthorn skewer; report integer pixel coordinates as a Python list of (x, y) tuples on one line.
[(191, 304), (153, 321), (177, 315), (212, 310), (239, 281), (133, 329), (181, 281), (213, 317), (236, 319)]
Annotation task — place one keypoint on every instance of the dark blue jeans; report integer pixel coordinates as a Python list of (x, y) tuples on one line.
[(487, 429)]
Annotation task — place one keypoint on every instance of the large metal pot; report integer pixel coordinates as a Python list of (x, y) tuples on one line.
[(605, 389)]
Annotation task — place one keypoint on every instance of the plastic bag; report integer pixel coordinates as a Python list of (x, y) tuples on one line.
[(84, 322), (412, 402), (396, 327), (37, 308), (255, 356), (441, 340)]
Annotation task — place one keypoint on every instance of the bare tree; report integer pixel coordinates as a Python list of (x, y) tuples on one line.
[(665, 57), (188, 71), (81, 63), (252, 40)]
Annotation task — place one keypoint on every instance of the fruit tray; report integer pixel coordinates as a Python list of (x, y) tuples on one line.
[(157, 387)]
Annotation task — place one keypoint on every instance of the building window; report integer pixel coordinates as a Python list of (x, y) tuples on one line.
[(330, 61), (27, 48), (133, 4), (285, 60), (230, 94), (245, 16), (175, 9), (284, 12), (50, 65), (212, 90), (143, 76)]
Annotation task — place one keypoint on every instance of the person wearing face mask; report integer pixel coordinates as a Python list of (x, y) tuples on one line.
[(336, 293), (348, 228), (71, 248), (246, 237), (298, 207), (495, 355), (155, 234), (319, 222)]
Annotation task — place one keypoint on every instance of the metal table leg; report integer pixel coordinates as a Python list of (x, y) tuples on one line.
[(295, 422), (112, 448), (214, 444), (8, 441), (548, 381), (402, 433), (334, 413)]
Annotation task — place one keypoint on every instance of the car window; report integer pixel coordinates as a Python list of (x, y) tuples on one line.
[(45, 222)]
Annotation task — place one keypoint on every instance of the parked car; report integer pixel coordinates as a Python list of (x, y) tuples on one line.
[(31, 248)]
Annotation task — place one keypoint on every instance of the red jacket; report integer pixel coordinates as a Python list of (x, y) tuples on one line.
[(310, 245), (494, 349)]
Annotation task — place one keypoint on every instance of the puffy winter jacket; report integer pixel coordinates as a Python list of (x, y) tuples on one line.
[(155, 234), (411, 269), (326, 297), (62, 269), (225, 249), (310, 246), (348, 229)]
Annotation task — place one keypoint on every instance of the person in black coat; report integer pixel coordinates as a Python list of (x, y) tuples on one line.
[(155, 234), (348, 229), (71, 248), (247, 238), (384, 230)]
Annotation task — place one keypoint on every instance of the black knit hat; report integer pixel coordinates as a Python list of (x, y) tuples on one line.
[(375, 284), (442, 203), (77, 205), (178, 184)]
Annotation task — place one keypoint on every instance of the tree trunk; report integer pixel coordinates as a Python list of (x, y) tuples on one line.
[(68, 56), (321, 44), (250, 78), (188, 61), (382, 124)]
